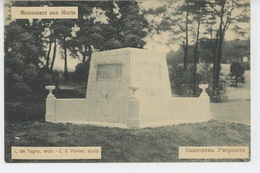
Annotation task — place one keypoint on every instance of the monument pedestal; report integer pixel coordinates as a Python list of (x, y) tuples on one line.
[(148, 102)]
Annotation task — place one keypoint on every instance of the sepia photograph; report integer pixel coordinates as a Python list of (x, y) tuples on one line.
[(136, 81)]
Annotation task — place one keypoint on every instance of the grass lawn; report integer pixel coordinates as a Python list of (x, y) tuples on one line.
[(127, 145)]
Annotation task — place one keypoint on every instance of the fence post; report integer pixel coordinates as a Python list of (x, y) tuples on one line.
[(50, 115), (204, 103)]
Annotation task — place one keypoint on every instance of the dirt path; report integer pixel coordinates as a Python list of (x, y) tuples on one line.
[(237, 109)]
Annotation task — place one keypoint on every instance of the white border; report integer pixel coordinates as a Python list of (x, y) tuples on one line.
[(252, 166)]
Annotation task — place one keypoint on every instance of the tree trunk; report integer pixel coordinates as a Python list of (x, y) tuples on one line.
[(48, 56), (66, 75), (218, 63), (214, 52), (186, 38), (54, 54), (219, 47), (195, 57)]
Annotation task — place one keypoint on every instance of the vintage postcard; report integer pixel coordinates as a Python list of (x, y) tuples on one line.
[(127, 81)]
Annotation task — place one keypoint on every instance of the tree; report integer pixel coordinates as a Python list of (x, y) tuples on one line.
[(51, 39), (132, 24), (177, 22), (63, 33), (198, 9), (25, 49), (122, 25), (102, 25), (172, 18), (23, 72), (223, 11), (235, 50), (126, 26), (88, 34)]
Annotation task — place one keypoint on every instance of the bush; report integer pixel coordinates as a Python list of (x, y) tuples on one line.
[(246, 65), (219, 95), (69, 93), (27, 83), (20, 90), (17, 112), (81, 72), (30, 74), (182, 82), (236, 75)]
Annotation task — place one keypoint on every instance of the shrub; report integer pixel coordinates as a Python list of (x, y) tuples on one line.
[(246, 65), (182, 82), (81, 72), (27, 83), (219, 94), (69, 93), (17, 112), (20, 90), (236, 74), (30, 74)]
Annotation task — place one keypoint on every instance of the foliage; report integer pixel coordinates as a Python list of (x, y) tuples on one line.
[(133, 25), (23, 72), (174, 58), (233, 50), (246, 65), (123, 25), (178, 20), (20, 90), (182, 82), (26, 111), (236, 69), (126, 26), (223, 16), (175, 19), (219, 94), (81, 73), (236, 74), (102, 25)]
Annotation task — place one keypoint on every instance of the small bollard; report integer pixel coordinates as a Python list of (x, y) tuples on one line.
[(203, 87), (50, 88)]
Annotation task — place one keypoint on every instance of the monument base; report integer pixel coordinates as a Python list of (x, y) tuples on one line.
[(131, 124)]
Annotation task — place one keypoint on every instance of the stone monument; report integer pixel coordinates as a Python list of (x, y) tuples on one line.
[(128, 88)]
